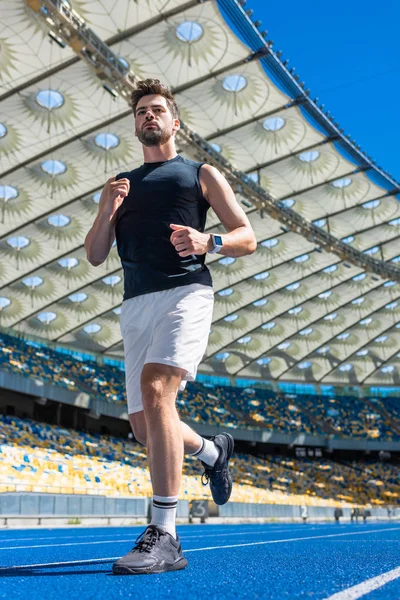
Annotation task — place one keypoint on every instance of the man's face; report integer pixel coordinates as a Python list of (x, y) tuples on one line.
[(154, 123)]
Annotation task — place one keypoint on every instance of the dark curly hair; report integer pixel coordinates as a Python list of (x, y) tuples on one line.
[(147, 87)]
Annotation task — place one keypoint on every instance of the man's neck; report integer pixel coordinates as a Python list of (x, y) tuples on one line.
[(159, 153)]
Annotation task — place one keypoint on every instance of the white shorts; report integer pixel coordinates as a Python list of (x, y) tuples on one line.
[(170, 327)]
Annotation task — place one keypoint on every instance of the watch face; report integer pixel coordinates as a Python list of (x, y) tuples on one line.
[(218, 240)]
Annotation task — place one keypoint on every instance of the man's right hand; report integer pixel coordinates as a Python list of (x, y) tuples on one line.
[(113, 195)]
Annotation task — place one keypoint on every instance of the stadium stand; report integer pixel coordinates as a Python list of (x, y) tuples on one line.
[(342, 416), (37, 457)]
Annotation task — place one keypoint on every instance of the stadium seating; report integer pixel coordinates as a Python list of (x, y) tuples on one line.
[(218, 405), (45, 458)]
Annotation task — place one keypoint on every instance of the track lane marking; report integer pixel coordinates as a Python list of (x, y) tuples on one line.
[(367, 586), (264, 543)]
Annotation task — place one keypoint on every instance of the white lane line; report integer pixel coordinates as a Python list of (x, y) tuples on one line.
[(182, 537), (299, 539), (367, 586)]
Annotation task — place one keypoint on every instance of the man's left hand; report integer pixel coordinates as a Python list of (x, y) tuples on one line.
[(188, 241)]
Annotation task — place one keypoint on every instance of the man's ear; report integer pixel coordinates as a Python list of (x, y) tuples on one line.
[(177, 125)]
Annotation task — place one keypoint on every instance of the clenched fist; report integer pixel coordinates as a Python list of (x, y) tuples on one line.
[(113, 195), (188, 241)]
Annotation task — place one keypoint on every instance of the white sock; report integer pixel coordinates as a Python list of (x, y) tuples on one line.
[(208, 452), (163, 513)]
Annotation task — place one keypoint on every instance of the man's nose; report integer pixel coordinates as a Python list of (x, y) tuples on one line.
[(149, 115)]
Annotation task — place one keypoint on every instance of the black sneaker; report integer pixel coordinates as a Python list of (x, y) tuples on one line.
[(155, 552), (218, 476)]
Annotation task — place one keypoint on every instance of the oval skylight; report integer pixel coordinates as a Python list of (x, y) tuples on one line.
[(231, 318), (306, 331), (388, 369), (366, 321), (396, 259), (53, 167), (371, 204), (269, 325), (18, 242), (381, 339), (309, 156), (330, 317), (245, 340), (394, 222), (78, 297), (288, 203), (216, 147), (33, 282), (348, 240), (295, 311), (234, 83), (319, 222), (363, 352), (343, 336), (252, 176), (359, 277), (371, 251), (189, 31), (4, 302), (96, 197), (227, 260), (226, 292), (111, 280), (8, 192), (293, 286), (284, 345), (68, 263), (49, 99), (222, 356), (273, 123), (47, 317), (389, 284), (358, 301), (330, 269), (59, 220), (305, 364), (263, 361), (117, 311), (261, 302), (325, 295), (261, 276), (123, 62), (107, 141), (323, 350), (346, 367), (92, 328), (270, 243), (341, 183), (3, 130), (301, 259), (391, 305)]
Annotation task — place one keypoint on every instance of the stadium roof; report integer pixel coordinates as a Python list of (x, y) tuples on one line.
[(319, 299)]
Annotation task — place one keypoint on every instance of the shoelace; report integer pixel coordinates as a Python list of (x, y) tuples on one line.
[(146, 540)]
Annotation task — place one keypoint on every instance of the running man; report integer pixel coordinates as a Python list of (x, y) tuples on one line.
[(157, 213)]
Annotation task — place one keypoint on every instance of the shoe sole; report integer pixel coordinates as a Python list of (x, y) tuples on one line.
[(176, 566), (229, 452)]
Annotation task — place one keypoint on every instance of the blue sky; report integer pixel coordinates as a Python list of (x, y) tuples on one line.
[(348, 54)]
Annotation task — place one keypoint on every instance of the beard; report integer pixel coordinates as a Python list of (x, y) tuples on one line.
[(153, 137)]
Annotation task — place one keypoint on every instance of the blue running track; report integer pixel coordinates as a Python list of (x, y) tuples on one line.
[(270, 561)]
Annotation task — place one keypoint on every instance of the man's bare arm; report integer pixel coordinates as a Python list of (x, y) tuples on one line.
[(240, 239), (101, 236)]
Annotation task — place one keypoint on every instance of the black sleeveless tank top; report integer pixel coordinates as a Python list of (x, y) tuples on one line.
[(160, 194)]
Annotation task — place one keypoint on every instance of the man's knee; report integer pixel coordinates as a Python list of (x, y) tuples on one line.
[(159, 385)]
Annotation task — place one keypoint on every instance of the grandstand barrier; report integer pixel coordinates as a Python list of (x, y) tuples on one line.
[(41, 509), (29, 386)]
